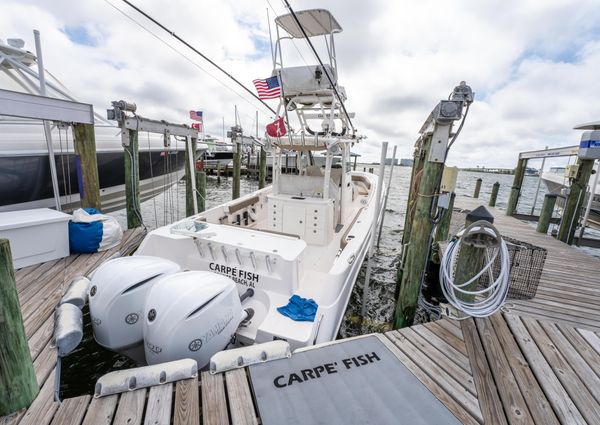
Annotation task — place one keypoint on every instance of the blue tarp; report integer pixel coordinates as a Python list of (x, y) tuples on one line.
[(85, 237), (299, 309)]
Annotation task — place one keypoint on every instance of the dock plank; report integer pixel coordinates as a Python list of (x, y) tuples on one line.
[(214, 401), (515, 407), (158, 407), (43, 407), (131, 408), (455, 355), (457, 408), (534, 396), (71, 411), (579, 393), (101, 410), (449, 384), (187, 403), (489, 400), (240, 398), (559, 399)]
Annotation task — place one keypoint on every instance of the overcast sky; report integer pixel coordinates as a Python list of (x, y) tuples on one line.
[(534, 64)]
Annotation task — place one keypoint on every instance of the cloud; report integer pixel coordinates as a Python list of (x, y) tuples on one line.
[(532, 64)]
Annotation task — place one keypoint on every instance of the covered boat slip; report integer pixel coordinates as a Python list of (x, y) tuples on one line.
[(535, 364)]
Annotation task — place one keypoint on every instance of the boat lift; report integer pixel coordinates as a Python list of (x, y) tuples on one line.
[(567, 151)]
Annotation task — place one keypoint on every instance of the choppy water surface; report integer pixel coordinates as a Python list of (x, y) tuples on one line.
[(170, 206)]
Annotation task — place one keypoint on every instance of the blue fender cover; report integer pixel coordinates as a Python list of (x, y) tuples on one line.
[(85, 238)]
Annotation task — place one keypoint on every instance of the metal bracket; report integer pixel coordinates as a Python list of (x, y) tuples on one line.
[(439, 142)]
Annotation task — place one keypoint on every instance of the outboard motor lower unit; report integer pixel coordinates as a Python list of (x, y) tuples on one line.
[(118, 292)]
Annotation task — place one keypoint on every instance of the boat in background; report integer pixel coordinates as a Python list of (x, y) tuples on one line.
[(25, 180)]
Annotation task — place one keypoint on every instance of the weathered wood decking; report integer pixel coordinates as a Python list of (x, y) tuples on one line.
[(536, 363)]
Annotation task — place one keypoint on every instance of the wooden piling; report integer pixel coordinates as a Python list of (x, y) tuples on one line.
[(546, 213), (575, 201), (237, 162), (218, 172), (471, 258), (443, 227), (18, 384), (515, 191), (477, 188), (190, 169), (421, 228), (262, 171), (132, 178), (85, 149), (494, 195), (201, 190)]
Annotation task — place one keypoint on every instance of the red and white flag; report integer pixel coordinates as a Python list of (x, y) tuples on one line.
[(197, 126), (276, 128)]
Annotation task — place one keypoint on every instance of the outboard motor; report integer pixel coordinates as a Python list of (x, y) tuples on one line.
[(191, 315), (117, 297)]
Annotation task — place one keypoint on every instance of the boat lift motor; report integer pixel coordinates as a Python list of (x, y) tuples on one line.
[(589, 147), (117, 297), (192, 314)]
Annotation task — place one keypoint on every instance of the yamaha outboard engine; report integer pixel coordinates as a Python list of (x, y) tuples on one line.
[(117, 297), (191, 315)]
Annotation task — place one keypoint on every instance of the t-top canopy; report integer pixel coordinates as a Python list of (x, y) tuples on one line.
[(314, 21)]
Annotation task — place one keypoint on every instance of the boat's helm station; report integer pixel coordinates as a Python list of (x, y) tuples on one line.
[(150, 310)]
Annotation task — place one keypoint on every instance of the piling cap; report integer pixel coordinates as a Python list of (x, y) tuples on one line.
[(480, 213)]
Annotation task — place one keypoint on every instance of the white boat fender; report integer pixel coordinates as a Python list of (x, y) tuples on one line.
[(246, 356), (77, 294), (147, 376), (68, 330)]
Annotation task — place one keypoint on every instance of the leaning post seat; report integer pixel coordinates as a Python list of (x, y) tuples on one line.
[(300, 80)]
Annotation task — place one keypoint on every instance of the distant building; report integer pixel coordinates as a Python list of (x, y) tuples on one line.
[(388, 161), (406, 162)]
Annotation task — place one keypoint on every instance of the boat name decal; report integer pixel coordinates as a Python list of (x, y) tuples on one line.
[(237, 275), (304, 375)]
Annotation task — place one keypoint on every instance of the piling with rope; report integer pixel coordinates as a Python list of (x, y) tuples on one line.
[(546, 213), (18, 384), (477, 188), (85, 151), (494, 195), (262, 170), (515, 191), (237, 162), (201, 190), (191, 201), (132, 177)]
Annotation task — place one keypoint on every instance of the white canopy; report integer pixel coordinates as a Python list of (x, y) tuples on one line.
[(314, 21), (588, 126)]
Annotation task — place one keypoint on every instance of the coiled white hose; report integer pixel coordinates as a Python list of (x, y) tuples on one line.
[(487, 301)]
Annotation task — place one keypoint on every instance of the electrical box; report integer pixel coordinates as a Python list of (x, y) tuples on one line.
[(449, 179), (589, 147), (571, 171)]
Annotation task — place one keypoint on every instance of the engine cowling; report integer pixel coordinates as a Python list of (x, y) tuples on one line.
[(118, 292), (190, 315)]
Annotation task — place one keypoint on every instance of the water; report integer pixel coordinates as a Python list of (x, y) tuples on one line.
[(170, 206)]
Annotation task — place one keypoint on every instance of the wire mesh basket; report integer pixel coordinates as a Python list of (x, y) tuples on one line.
[(526, 266)]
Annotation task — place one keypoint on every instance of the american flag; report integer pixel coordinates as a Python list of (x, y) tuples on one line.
[(268, 88), (196, 115)]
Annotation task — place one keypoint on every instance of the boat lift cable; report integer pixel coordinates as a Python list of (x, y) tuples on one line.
[(198, 52), (337, 94)]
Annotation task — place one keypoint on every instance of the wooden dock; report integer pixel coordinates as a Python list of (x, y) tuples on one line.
[(537, 362)]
